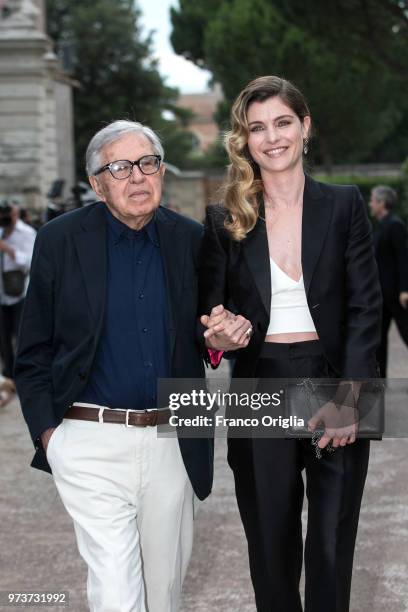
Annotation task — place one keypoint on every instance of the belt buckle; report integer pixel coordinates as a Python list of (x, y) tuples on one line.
[(127, 418), (145, 412)]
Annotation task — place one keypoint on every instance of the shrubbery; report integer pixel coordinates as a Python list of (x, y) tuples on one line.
[(366, 184)]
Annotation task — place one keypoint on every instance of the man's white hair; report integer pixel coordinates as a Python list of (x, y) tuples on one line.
[(113, 132)]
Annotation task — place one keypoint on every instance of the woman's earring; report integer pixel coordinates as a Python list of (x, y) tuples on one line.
[(305, 145)]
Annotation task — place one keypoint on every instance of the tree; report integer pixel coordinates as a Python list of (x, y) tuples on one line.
[(354, 103), (378, 28), (104, 49)]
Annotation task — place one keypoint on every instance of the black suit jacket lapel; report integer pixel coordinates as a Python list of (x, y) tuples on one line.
[(90, 245), (317, 213), (173, 250), (256, 252)]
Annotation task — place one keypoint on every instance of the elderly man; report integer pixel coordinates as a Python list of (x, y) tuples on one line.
[(391, 242), (111, 307)]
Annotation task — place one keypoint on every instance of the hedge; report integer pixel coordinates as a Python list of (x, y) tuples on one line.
[(366, 183)]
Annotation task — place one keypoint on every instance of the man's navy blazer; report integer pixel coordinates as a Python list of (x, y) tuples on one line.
[(64, 312)]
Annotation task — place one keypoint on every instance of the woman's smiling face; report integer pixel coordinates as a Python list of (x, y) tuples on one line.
[(276, 135)]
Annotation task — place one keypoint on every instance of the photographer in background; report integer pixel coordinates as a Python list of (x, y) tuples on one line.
[(16, 249)]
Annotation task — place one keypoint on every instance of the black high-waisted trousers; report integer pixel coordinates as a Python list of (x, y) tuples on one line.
[(270, 490)]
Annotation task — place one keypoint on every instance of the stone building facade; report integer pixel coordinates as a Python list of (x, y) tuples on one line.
[(36, 118), (189, 192)]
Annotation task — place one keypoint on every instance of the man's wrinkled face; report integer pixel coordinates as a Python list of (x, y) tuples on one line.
[(132, 200)]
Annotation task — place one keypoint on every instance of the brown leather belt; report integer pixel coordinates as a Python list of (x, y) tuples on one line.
[(130, 418)]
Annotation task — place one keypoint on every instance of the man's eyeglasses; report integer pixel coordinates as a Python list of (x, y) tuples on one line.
[(122, 169)]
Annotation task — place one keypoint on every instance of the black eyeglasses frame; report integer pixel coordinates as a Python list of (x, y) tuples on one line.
[(133, 163)]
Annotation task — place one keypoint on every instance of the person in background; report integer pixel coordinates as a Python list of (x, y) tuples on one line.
[(391, 251), (16, 249)]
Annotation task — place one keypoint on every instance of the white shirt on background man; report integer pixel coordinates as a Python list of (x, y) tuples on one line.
[(21, 240)]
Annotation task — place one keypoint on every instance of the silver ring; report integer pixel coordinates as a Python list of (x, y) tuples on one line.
[(249, 332)]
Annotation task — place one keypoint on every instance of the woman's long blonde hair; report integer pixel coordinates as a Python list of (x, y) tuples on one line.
[(244, 185)]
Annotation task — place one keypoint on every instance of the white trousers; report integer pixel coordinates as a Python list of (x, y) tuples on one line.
[(131, 501)]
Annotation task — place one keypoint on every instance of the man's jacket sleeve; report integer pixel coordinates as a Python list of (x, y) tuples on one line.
[(35, 348)]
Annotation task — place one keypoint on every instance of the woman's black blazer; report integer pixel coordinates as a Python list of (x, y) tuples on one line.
[(339, 270)]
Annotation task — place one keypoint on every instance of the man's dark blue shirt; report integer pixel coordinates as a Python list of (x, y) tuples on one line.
[(133, 351)]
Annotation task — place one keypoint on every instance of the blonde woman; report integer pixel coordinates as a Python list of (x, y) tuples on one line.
[(294, 258)]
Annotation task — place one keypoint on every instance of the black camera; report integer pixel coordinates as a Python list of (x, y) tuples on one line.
[(5, 215)]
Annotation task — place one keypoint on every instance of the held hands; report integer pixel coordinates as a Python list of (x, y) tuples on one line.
[(226, 331)]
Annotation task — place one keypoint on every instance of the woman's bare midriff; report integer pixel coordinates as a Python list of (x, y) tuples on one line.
[(287, 338)]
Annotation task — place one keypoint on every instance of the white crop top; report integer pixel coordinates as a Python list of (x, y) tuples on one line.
[(289, 309)]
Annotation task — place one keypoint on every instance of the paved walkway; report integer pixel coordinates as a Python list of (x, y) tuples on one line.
[(38, 551)]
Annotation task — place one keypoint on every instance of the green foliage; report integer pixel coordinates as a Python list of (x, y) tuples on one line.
[(367, 183), (356, 104), (215, 158), (404, 179), (116, 75), (365, 29), (189, 25), (404, 171), (178, 144)]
